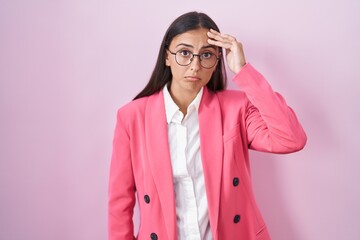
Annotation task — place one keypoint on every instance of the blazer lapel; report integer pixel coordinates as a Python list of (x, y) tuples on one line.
[(211, 145), (159, 158)]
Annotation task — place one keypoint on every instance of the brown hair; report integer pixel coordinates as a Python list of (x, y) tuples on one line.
[(161, 74)]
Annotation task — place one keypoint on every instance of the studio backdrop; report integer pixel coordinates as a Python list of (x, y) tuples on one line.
[(67, 66)]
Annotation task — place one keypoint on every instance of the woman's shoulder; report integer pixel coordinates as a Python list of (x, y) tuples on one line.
[(232, 101), (230, 95), (134, 107)]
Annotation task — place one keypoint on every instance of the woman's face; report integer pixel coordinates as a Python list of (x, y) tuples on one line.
[(189, 79)]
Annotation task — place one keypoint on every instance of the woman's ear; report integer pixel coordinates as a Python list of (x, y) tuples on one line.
[(167, 61)]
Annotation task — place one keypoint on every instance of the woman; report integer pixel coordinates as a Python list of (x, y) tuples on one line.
[(182, 144)]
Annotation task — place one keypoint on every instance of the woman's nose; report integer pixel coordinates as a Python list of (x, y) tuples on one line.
[(195, 62)]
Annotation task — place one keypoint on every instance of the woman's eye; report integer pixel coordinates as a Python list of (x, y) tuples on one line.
[(206, 55), (185, 53)]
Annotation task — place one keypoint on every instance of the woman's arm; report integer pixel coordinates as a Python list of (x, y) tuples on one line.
[(271, 124), (121, 187)]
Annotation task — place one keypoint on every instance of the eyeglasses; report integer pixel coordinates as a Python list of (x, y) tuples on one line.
[(185, 57)]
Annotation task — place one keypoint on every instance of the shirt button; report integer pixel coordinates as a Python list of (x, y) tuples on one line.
[(237, 218), (147, 199), (236, 181), (153, 236)]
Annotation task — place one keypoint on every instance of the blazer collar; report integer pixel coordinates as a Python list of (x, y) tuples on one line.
[(211, 134), (159, 159)]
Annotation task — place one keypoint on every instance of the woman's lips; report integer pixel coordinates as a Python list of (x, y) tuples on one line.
[(192, 78)]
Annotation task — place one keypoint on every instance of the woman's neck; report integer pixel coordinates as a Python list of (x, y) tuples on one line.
[(183, 100)]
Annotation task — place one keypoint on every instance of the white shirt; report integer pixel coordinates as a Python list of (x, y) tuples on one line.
[(188, 176)]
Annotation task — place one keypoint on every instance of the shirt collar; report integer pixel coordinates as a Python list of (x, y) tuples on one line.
[(171, 108)]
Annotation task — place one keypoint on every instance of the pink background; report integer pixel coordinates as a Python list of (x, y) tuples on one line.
[(66, 66)]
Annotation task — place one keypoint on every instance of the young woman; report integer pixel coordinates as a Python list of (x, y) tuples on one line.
[(181, 146)]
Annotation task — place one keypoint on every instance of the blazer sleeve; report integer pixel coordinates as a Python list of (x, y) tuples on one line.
[(121, 199), (271, 124)]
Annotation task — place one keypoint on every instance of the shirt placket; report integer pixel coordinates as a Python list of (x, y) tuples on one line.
[(190, 216)]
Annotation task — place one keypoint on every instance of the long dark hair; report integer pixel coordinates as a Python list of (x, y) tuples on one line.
[(162, 73)]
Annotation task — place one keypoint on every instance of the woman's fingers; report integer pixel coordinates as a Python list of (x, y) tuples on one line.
[(222, 44), (225, 39), (234, 52)]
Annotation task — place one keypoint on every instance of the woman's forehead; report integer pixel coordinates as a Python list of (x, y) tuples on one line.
[(193, 39)]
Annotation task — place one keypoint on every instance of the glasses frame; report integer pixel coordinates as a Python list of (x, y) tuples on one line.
[(192, 58)]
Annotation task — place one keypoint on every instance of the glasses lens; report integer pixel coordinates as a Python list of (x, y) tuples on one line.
[(208, 60), (184, 58)]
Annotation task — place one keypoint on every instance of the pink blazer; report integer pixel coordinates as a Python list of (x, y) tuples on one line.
[(231, 122)]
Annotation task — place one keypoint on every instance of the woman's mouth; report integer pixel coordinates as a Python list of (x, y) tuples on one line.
[(192, 78)]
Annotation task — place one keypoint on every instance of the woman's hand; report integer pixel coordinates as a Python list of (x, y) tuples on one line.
[(234, 51)]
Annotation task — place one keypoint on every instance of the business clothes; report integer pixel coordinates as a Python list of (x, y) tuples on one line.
[(230, 123)]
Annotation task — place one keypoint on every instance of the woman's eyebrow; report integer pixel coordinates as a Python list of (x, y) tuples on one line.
[(184, 44), (190, 46), (209, 46)]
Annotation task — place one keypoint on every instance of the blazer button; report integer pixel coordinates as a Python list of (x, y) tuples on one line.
[(147, 199), (236, 181), (153, 236), (237, 218)]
